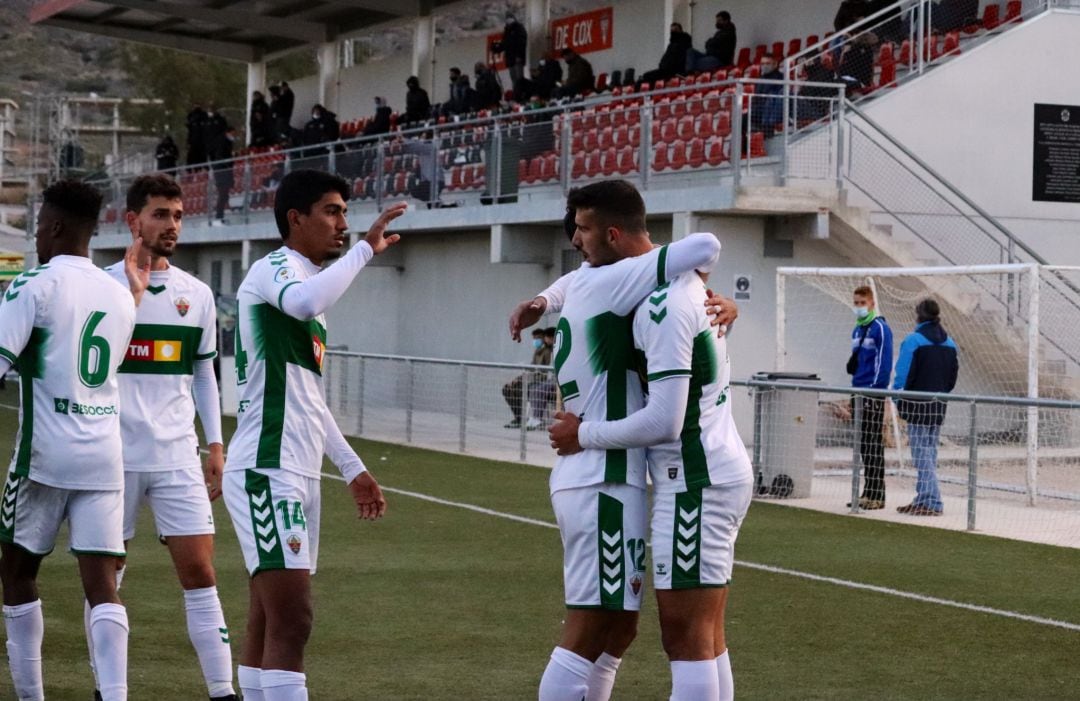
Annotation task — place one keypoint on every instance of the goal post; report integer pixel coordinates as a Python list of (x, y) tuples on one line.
[(990, 311)]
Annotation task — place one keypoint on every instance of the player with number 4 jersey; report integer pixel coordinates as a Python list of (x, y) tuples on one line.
[(65, 325)]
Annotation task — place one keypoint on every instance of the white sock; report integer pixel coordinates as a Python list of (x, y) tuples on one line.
[(210, 637), (694, 681), (250, 683), (280, 685), (109, 631), (25, 629), (566, 677), (86, 627), (727, 682), (602, 677)]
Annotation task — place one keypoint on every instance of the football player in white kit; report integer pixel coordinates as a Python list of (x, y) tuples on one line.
[(66, 324), (701, 475), (167, 375), (284, 426), (599, 495)]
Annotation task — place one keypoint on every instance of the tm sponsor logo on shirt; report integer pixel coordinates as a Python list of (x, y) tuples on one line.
[(68, 407)]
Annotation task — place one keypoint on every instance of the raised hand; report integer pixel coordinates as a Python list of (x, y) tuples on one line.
[(376, 236), (137, 268), (370, 503), (526, 314)]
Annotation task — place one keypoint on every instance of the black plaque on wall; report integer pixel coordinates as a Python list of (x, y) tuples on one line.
[(1056, 154)]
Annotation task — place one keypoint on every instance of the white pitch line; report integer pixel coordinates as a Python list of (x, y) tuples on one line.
[(847, 583)]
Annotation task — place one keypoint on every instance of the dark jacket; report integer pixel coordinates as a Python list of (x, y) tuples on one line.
[(579, 76), (417, 105), (381, 123), (873, 344), (322, 130), (285, 104), (928, 363), (488, 90), (722, 45), (850, 12), (673, 62), (214, 129), (166, 154), (768, 108), (514, 42)]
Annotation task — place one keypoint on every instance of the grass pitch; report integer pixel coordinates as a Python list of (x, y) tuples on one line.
[(440, 602)]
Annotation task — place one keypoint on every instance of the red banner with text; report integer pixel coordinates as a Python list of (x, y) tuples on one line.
[(584, 33)]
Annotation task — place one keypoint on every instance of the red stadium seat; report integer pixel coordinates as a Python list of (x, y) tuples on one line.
[(662, 108), (685, 128), (757, 145), (678, 107), (695, 105), (720, 75), (887, 79), (704, 126), (753, 72), (714, 156), (678, 155), (759, 53), (609, 162), (905, 53), (723, 125), (794, 46), (952, 44), (777, 51), (577, 168), (468, 177), (696, 153), (735, 73), (592, 164), (605, 140), (744, 61), (601, 82), (635, 136), (628, 161), (618, 117), (1013, 10), (603, 117), (668, 130), (549, 167), (991, 17), (811, 40), (660, 157), (620, 137), (711, 103), (591, 141), (633, 117)]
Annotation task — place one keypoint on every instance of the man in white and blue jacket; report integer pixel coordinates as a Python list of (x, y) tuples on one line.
[(928, 363), (870, 365)]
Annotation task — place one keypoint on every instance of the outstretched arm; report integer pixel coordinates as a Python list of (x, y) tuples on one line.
[(529, 311), (310, 298)]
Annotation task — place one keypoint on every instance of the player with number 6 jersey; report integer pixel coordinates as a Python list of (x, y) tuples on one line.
[(66, 324)]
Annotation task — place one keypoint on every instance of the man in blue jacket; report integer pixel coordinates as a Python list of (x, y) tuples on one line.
[(870, 365), (927, 363)]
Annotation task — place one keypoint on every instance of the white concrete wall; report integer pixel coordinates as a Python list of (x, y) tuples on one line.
[(973, 121)]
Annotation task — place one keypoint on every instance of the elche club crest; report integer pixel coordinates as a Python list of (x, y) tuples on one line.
[(182, 305), (635, 585), (294, 543)]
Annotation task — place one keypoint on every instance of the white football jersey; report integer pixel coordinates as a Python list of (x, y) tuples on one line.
[(672, 330), (67, 324), (278, 372), (596, 366), (175, 326)]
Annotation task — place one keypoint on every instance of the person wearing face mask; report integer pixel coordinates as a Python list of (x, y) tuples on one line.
[(767, 106), (870, 366), (512, 390), (380, 123), (542, 387), (719, 50), (673, 62)]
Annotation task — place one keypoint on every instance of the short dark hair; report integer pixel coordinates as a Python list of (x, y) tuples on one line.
[(863, 291), (76, 201), (724, 15), (146, 186), (615, 202), (927, 310), (677, 24), (301, 189), (537, 333), (569, 223), (550, 331)]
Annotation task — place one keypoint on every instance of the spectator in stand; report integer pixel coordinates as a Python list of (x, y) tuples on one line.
[(214, 129), (279, 126), (890, 26), (579, 75), (673, 62), (196, 135), (548, 77), (457, 103), (814, 102), (512, 391), (953, 15), (269, 184), (719, 50), (515, 40), (167, 154), (322, 128), (380, 123), (417, 104), (288, 101), (260, 130), (767, 104), (927, 363), (857, 62), (223, 172), (849, 12), (542, 390), (870, 366), (489, 91)]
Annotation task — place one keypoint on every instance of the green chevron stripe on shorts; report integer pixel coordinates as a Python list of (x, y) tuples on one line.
[(686, 574), (264, 528), (7, 506), (612, 568)]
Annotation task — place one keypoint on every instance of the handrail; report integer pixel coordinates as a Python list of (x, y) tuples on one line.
[(908, 394), (864, 23), (945, 183)]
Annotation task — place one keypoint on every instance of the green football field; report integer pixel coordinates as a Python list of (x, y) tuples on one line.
[(456, 594)]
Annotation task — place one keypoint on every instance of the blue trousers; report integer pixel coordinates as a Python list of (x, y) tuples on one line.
[(924, 446)]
